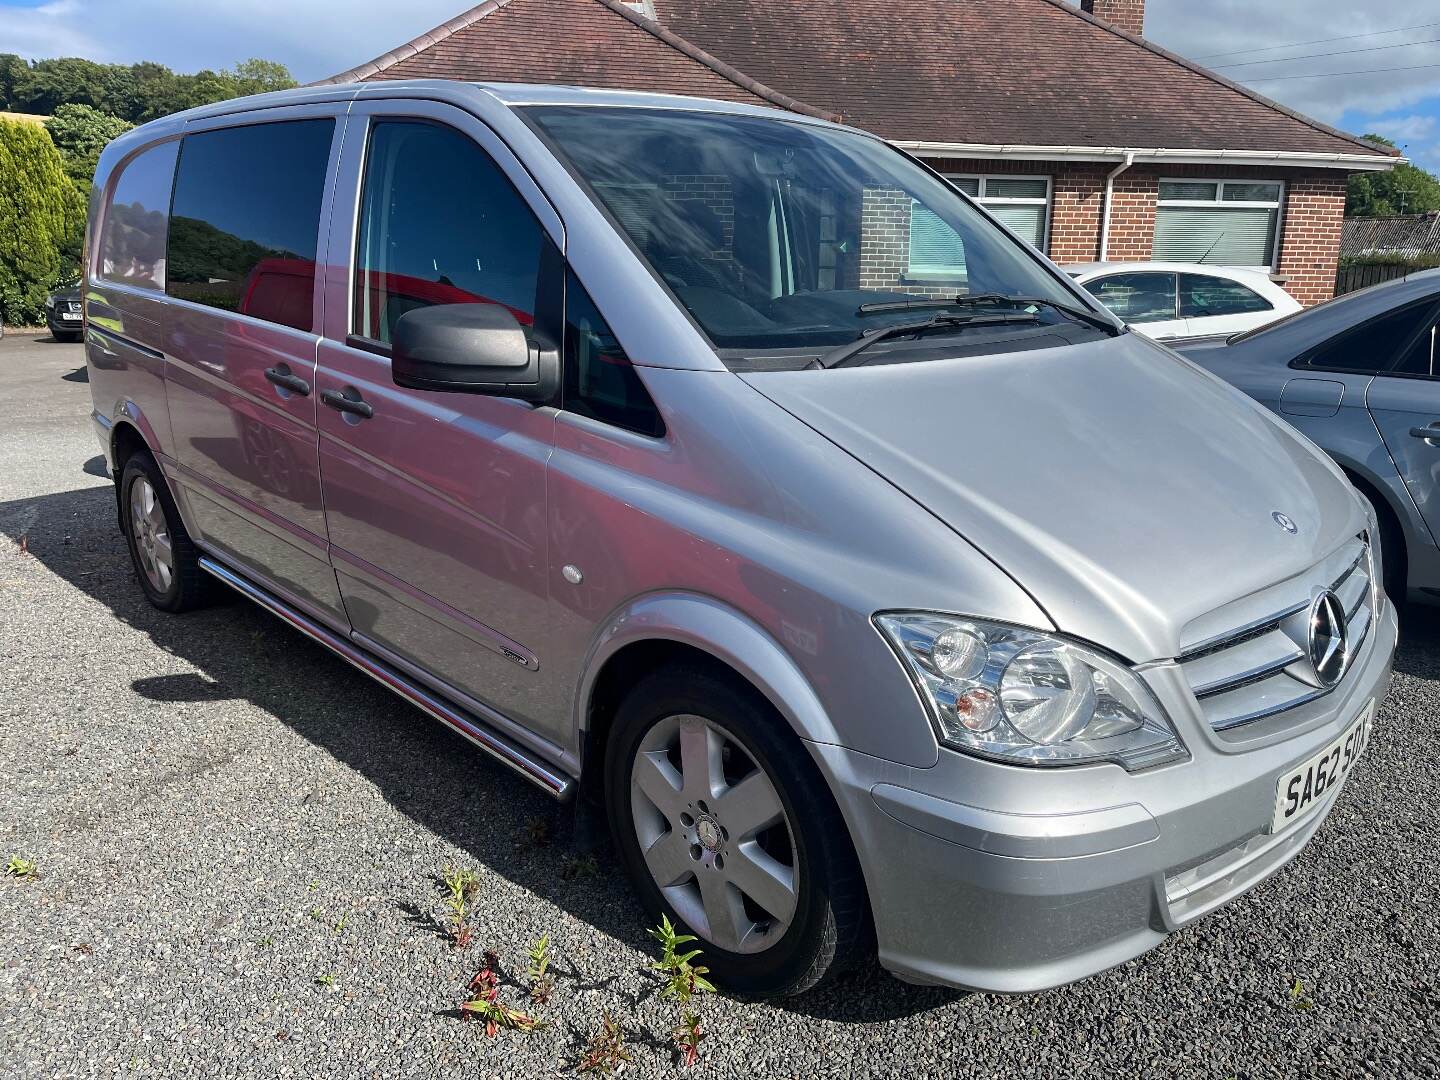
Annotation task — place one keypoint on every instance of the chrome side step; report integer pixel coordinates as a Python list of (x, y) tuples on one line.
[(549, 779)]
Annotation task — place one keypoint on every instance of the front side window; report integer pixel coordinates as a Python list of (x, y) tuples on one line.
[(439, 224), (245, 220), (132, 238), (1225, 222), (1202, 296), (1021, 202), (777, 234), (1137, 298), (599, 379)]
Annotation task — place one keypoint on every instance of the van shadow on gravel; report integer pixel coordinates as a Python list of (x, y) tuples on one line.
[(420, 767)]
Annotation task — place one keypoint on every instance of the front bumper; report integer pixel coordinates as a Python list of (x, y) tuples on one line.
[(1013, 880), (57, 325)]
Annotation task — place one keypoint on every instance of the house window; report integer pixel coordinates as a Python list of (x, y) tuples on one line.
[(1226, 222), (1021, 202)]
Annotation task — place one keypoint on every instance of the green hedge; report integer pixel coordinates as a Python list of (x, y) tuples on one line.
[(42, 220), (1412, 262)]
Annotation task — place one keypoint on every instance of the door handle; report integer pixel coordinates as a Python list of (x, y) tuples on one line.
[(287, 380), (1429, 432), (357, 406)]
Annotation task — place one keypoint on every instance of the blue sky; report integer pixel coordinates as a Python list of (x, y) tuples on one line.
[(319, 37)]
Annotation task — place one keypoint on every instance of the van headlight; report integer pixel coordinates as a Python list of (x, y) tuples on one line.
[(1029, 698)]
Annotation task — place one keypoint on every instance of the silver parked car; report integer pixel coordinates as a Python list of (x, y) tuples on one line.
[(1360, 376), (942, 617)]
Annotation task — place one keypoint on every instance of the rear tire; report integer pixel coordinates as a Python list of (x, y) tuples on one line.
[(166, 560), (746, 851)]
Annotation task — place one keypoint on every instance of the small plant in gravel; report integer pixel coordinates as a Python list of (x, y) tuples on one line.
[(1298, 997), (485, 1004), (579, 868), (687, 1036), (542, 983), (327, 980), (17, 866), (536, 833), (683, 977), (461, 888), (605, 1053)]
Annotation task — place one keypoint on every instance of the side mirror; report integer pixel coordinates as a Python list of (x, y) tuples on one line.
[(472, 349)]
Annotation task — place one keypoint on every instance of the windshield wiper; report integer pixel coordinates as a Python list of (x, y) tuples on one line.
[(844, 354), (977, 299)]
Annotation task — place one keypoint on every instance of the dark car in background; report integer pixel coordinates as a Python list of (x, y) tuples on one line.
[(64, 314), (1360, 375)]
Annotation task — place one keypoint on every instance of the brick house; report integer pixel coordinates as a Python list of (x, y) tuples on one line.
[(1088, 140)]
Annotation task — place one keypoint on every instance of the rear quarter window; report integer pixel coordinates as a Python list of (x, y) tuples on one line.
[(245, 221), (133, 230)]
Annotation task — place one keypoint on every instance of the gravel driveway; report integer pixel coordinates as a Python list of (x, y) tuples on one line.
[(238, 840)]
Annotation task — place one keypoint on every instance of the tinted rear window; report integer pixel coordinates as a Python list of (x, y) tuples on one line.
[(245, 220), (132, 239)]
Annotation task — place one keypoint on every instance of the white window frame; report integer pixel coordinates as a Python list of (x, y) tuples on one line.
[(1008, 200), (1278, 205)]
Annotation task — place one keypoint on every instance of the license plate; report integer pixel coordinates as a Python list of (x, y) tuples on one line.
[(70, 316), (1299, 792)]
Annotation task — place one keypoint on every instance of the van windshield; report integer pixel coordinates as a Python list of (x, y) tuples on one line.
[(779, 235)]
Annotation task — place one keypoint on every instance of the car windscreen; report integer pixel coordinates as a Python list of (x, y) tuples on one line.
[(789, 235)]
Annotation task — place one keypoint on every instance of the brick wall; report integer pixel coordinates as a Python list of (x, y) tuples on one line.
[(1128, 15), (1310, 238), (884, 237), (1310, 219)]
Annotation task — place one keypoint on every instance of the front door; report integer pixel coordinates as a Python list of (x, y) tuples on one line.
[(241, 340), (436, 502)]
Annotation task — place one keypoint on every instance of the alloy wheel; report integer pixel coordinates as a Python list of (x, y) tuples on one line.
[(151, 533), (714, 834)]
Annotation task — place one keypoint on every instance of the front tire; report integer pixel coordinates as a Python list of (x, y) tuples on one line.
[(166, 560), (725, 825)]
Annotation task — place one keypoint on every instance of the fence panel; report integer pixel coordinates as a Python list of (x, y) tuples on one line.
[(1362, 275)]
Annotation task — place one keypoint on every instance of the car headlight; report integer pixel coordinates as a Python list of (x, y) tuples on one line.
[(49, 301), (1029, 698)]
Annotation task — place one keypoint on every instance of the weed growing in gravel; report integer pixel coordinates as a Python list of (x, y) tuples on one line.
[(687, 1036), (317, 914), (17, 866), (326, 980), (536, 833), (340, 924), (542, 983), (461, 888), (579, 868), (683, 978), (1298, 998), (485, 1004), (606, 1050)]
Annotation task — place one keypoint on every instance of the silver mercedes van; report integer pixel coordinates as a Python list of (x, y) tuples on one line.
[(732, 470)]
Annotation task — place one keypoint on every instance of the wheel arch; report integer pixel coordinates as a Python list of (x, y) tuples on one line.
[(669, 628)]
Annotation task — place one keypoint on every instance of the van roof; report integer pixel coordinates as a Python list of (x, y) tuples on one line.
[(510, 94)]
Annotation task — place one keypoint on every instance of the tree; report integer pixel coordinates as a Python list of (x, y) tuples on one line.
[(12, 70), (80, 133), (137, 92), (1406, 189), (256, 76), (41, 218)]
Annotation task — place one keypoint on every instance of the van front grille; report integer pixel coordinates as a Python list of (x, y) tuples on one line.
[(1264, 667)]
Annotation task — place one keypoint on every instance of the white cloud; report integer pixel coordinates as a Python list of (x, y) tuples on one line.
[(1199, 30)]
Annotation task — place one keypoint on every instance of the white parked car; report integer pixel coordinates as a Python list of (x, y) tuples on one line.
[(1184, 300)]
